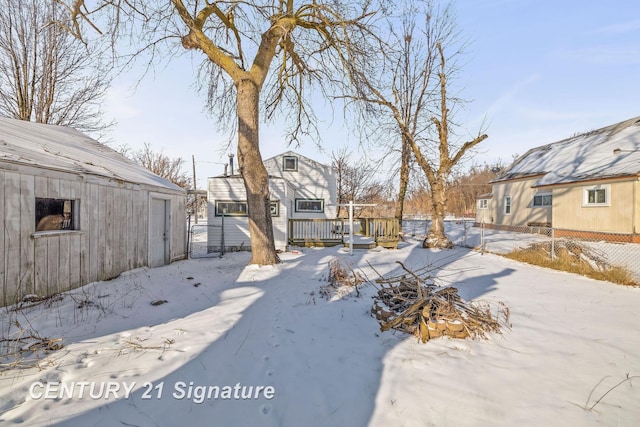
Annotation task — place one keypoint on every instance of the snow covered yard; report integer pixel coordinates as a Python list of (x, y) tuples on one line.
[(318, 362)]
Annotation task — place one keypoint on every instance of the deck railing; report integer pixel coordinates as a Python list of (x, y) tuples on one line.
[(385, 231), (316, 231)]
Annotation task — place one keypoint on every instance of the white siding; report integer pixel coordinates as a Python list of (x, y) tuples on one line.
[(312, 180), (236, 228)]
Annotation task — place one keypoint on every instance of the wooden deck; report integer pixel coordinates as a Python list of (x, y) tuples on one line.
[(332, 232)]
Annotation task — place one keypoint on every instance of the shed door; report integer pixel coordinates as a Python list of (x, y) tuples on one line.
[(159, 232)]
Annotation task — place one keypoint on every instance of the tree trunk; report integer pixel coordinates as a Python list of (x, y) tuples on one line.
[(404, 179), (437, 238), (254, 174)]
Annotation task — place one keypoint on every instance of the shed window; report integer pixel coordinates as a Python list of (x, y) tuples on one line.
[(289, 163), (310, 205), (540, 200), (507, 205), (56, 214), (483, 204)]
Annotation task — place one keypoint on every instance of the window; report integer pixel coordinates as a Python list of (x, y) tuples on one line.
[(310, 205), (507, 205), (483, 204), (56, 214), (231, 208), (275, 207), (240, 208), (596, 196), (289, 163), (542, 200)]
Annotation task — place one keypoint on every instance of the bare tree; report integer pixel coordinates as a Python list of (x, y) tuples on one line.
[(48, 76), (354, 182), (312, 40), (464, 187), (160, 164), (412, 89)]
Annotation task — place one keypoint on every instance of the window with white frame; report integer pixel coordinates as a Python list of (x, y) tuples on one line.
[(542, 200), (310, 205), (483, 204), (231, 208), (56, 214), (507, 205), (240, 208), (290, 163), (597, 195), (274, 206)]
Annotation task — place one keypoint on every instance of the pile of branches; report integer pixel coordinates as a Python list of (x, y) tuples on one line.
[(415, 304)]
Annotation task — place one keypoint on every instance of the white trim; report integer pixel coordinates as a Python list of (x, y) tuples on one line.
[(542, 194), (169, 218), (509, 205), (607, 195)]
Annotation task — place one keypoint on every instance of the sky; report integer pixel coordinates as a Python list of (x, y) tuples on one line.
[(536, 72)]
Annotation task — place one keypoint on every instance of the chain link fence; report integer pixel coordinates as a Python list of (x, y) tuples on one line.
[(599, 250), (206, 241)]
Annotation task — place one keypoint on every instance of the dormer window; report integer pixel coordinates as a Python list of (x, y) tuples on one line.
[(290, 163)]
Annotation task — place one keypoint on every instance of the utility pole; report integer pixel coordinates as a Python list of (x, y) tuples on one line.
[(195, 189)]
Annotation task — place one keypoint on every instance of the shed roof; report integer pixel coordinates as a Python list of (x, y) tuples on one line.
[(589, 156), (64, 149)]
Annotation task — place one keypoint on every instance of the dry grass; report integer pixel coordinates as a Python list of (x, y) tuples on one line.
[(573, 257)]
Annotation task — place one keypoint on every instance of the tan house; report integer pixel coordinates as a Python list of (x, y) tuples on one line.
[(587, 185)]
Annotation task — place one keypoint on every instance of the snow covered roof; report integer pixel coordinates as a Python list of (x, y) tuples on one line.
[(67, 150), (589, 156), (293, 153)]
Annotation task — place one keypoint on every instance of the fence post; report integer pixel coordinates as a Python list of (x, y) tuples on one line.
[(222, 236), (553, 244), (464, 243), (189, 236), (482, 237)]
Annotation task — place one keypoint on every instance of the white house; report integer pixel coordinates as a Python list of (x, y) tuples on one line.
[(300, 188), (75, 211), (587, 185)]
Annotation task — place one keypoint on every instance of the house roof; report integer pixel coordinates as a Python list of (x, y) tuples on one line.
[(276, 160), (293, 153), (585, 157), (64, 149)]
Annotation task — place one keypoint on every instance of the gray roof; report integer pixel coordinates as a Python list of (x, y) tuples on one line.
[(64, 149), (585, 157)]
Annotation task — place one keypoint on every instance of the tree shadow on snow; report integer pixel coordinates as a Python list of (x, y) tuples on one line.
[(324, 358)]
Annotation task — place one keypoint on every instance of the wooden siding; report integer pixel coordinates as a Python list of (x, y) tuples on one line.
[(112, 236)]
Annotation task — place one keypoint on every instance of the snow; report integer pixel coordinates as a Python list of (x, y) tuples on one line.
[(583, 157), (225, 323), (65, 149)]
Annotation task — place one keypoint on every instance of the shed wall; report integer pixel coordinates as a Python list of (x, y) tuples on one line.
[(112, 236)]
